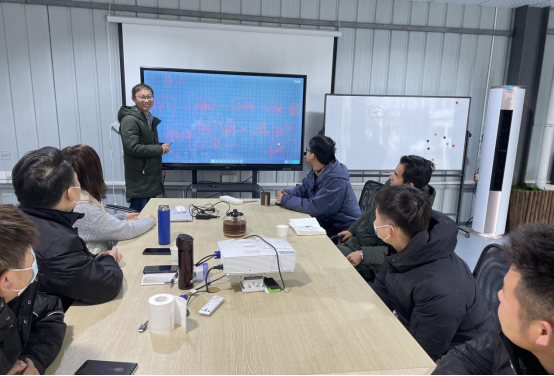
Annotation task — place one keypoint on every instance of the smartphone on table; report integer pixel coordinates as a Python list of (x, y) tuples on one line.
[(156, 251), (160, 269), (100, 367), (271, 285)]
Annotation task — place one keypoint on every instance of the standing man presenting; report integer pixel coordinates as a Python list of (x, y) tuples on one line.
[(142, 151)]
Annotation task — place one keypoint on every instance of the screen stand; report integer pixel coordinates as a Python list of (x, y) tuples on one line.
[(252, 187)]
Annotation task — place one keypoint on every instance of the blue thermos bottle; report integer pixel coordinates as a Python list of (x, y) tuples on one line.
[(164, 230)]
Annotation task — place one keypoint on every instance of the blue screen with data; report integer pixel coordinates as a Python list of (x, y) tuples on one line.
[(216, 118)]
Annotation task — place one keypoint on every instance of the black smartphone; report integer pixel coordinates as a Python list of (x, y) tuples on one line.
[(160, 269), (100, 367), (156, 251), (271, 285)]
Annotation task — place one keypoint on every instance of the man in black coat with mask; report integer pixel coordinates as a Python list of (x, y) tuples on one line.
[(430, 288), (32, 325), (525, 345)]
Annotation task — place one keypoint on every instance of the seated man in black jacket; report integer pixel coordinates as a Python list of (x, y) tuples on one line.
[(31, 323), (48, 190), (365, 251), (432, 290), (525, 345)]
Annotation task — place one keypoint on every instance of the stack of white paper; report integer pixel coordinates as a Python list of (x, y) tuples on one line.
[(307, 226), (254, 257)]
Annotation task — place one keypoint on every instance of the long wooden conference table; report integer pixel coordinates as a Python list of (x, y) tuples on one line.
[(331, 321)]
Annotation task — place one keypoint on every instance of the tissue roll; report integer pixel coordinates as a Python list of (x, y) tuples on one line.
[(165, 311), (161, 313)]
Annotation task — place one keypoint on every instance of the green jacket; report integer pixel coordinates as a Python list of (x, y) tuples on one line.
[(142, 154), (373, 248)]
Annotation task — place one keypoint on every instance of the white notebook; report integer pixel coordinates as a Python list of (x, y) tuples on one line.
[(180, 217), (307, 226), (157, 279)]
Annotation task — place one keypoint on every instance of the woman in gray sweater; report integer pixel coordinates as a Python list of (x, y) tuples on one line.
[(98, 227)]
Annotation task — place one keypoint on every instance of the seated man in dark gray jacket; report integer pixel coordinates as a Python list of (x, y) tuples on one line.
[(525, 345), (32, 325), (361, 246), (432, 290), (48, 190)]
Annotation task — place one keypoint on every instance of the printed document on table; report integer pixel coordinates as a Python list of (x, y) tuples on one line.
[(307, 226)]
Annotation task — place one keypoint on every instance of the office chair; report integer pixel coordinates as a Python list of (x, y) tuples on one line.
[(371, 188), (489, 273)]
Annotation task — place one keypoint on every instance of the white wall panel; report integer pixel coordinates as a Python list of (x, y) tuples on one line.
[(44, 93), (17, 45), (63, 59), (290, 9), (8, 142), (109, 94), (189, 5), (86, 78)]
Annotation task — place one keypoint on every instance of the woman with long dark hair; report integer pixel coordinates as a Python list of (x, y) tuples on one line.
[(98, 227)]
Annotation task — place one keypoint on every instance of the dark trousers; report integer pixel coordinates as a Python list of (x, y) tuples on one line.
[(137, 204)]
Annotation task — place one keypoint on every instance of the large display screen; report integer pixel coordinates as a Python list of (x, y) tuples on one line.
[(229, 120)]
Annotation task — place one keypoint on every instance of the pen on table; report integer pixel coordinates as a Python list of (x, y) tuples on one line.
[(172, 282), (158, 282)]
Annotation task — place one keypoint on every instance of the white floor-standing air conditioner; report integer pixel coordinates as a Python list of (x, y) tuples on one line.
[(498, 154)]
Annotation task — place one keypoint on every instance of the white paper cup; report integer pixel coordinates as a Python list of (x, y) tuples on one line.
[(282, 231), (175, 255)]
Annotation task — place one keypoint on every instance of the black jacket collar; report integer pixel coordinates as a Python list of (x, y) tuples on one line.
[(66, 219), (436, 242), (522, 361), (13, 308)]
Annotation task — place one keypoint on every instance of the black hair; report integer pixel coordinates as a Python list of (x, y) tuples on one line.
[(17, 234), (324, 149), (140, 87), (531, 251), (417, 170), (405, 207), (41, 177)]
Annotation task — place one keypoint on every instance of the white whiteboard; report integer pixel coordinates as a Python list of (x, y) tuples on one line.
[(373, 132)]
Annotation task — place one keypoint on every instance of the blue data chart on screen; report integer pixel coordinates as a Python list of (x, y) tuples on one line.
[(214, 118)]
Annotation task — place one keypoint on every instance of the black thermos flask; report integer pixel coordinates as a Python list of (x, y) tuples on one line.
[(185, 246)]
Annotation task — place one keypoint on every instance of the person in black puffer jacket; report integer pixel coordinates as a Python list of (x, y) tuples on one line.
[(48, 191), (432, 290), (365, 251), (32, 325), (525, 345)]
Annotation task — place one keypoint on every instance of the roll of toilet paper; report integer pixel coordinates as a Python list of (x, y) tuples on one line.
[(164, 312)]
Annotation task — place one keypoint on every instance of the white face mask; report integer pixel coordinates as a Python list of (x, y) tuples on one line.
[(376, 227), (34, 267), (79, 188)]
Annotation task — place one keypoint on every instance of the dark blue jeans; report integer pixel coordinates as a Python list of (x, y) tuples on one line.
[(137, 204)]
